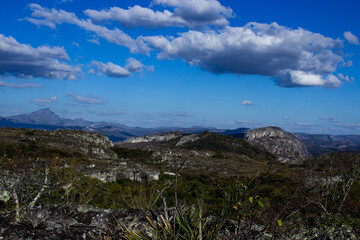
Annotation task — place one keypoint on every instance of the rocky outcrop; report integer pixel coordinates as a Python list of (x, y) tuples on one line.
[(188, 138), (154, 137), (286, 146), (150, 141), (72, 142)]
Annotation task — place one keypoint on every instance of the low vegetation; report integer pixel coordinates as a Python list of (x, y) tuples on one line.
[(256, 198)]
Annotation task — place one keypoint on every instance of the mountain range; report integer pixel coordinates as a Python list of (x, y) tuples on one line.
[(47, 119)]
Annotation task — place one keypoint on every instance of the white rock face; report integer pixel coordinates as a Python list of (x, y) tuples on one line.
[(150, 138), (286, 146), (189, 138)]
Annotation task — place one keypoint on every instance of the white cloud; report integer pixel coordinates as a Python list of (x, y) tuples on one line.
[(179, 114), (19, 86), (247, 103), (187, 13), (308, 79), (306, 124), (346, 78), (351, 38), (52, 17), (348, 63), (150, 68), (95, 41), (134, 65), (331, 119), (43, 101), (25, 61), (292, 57), (91, 99), (112, 70)]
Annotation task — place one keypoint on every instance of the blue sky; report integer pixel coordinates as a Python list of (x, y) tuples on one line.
[(224, 64)]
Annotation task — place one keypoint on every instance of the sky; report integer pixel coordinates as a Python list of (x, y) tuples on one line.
[(183, 63)]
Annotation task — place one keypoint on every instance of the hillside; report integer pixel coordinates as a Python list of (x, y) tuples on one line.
[(68, 184)]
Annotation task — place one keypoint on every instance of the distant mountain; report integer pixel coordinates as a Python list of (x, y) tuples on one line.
[(43, 116), (238, 133), (325, 143), (47, 119)]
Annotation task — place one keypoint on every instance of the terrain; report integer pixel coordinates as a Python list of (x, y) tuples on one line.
[(71, 184), (46, 119)]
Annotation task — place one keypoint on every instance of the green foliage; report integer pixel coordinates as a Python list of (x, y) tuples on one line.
[(227, 144), (189, 224), (136, 155), (32, 151), (219, 154)]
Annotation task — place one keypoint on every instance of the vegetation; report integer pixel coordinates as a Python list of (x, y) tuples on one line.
[(266, 201)]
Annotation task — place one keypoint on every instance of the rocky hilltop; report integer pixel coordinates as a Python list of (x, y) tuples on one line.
[(70, 142), (286, 146)]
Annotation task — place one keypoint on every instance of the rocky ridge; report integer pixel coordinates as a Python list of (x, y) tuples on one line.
[(84, 144)]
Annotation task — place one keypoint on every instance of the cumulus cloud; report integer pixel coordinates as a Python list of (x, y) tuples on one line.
[(288, 56), (25, 61), (91, 99), (186, 13), (19, 86), (247, 103), (308, 79), (52, 17), (351, 38), (43, 101), (112, 70), (134, 65)]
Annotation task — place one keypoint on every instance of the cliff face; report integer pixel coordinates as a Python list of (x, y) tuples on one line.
[(286, 146)]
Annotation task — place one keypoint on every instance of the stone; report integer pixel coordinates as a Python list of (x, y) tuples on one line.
[(285, 145)]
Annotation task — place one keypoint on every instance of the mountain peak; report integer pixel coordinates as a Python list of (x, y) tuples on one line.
[(42, 116)]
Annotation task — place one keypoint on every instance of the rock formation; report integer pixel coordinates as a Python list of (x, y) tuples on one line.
[(286, 146), (85, 144)]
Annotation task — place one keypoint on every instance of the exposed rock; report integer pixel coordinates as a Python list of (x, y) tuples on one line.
[(150, 141), (188, 138), (154, 137), (85, 144), (286, 146), (4, 195)]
